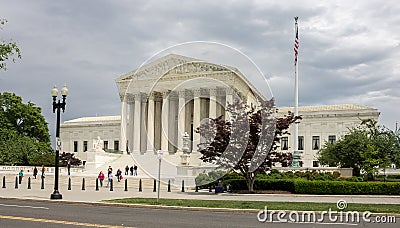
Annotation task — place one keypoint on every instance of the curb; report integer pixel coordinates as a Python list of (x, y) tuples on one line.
[(163, 207)]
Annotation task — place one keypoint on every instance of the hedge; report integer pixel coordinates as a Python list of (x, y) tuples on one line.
[(320, 187), (347, 188), (262, 184)]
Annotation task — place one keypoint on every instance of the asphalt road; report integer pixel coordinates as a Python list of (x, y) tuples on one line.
[(16, 213)]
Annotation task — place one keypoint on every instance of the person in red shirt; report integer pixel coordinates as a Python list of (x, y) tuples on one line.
[(101, 178)]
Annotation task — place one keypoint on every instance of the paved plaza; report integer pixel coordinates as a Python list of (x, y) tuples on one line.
[(90, 195)]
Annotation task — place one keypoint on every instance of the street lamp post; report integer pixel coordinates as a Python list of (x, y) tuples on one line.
[(57, 105)]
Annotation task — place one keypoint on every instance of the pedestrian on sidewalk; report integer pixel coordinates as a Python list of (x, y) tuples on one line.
[(20, 176), (109, 170), (69, 167), (35, 172), (131, 169), (101, 178), (110, 177), (43, 169), (119, 174), (126, 169), (135, 170)]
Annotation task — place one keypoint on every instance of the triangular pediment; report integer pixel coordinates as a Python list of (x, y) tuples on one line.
[(156, 67)]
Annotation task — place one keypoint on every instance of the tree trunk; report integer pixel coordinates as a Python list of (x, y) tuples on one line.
[(250, 183)]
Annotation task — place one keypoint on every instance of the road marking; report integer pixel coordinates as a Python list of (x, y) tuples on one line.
[(59, 222), (12, 205)]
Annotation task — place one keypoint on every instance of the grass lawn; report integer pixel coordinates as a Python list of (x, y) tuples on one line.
[(296, 206)]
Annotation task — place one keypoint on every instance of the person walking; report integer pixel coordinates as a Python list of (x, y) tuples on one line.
[(131, 169), (20, 176), (126, 170), (101, 178), (35, 172), (109, 170), (110, 177), (119, 174)]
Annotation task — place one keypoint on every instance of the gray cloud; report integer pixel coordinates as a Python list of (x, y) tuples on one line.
[(348, 50)]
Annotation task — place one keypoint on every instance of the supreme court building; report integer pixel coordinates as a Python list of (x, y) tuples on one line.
[(163, 99)]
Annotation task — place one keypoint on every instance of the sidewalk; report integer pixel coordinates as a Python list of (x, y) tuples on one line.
[(90, 195)]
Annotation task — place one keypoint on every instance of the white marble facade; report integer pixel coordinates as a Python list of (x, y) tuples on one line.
[(166, 98), (172, 95)]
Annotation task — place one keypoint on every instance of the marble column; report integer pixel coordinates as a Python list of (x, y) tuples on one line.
[(196, 116), (123, 125), (137, 119), (181, 118), (131, 124), (229, 100), (157, 122), (150, 123), (165, 122), (143, 124), (213, 103)]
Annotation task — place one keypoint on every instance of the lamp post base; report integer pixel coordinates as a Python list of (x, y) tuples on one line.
[(55, 195)]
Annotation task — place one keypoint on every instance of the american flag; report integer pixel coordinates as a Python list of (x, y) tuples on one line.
[(296, 45)]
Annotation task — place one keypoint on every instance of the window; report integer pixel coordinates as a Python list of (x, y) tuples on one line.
[(301, 143), (315, 164), (315, 142), (84, 146), (284, 143), (105, 145), (332, 139), (116, 145), (75, 146)]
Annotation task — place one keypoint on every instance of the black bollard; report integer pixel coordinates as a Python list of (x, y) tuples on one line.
[(4, 182), (126, 185), (83, 184), (29, 182), (111, 185), (183, 186), (197, 189), (140, 185), (69, 183), (169, 185), (16, 182), (97, 184), (42, 185), (154, 186)]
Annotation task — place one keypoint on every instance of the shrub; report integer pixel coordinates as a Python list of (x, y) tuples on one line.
[(346, 188), (300, 186), (262, 184)]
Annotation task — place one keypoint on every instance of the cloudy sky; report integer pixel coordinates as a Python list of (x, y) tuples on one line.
[(349, 50)]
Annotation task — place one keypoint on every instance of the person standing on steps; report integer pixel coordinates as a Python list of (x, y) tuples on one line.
[(126, 170), (131, 169), (135, 170)]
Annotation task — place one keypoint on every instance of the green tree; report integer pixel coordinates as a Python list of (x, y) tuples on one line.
[(24, 136), (366, 148), (7, 49), (26, 119), (246, 144)]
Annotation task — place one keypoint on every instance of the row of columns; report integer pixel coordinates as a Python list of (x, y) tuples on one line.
[(158, 120)]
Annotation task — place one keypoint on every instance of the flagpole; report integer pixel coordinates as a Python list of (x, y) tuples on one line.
[(296, 156)]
